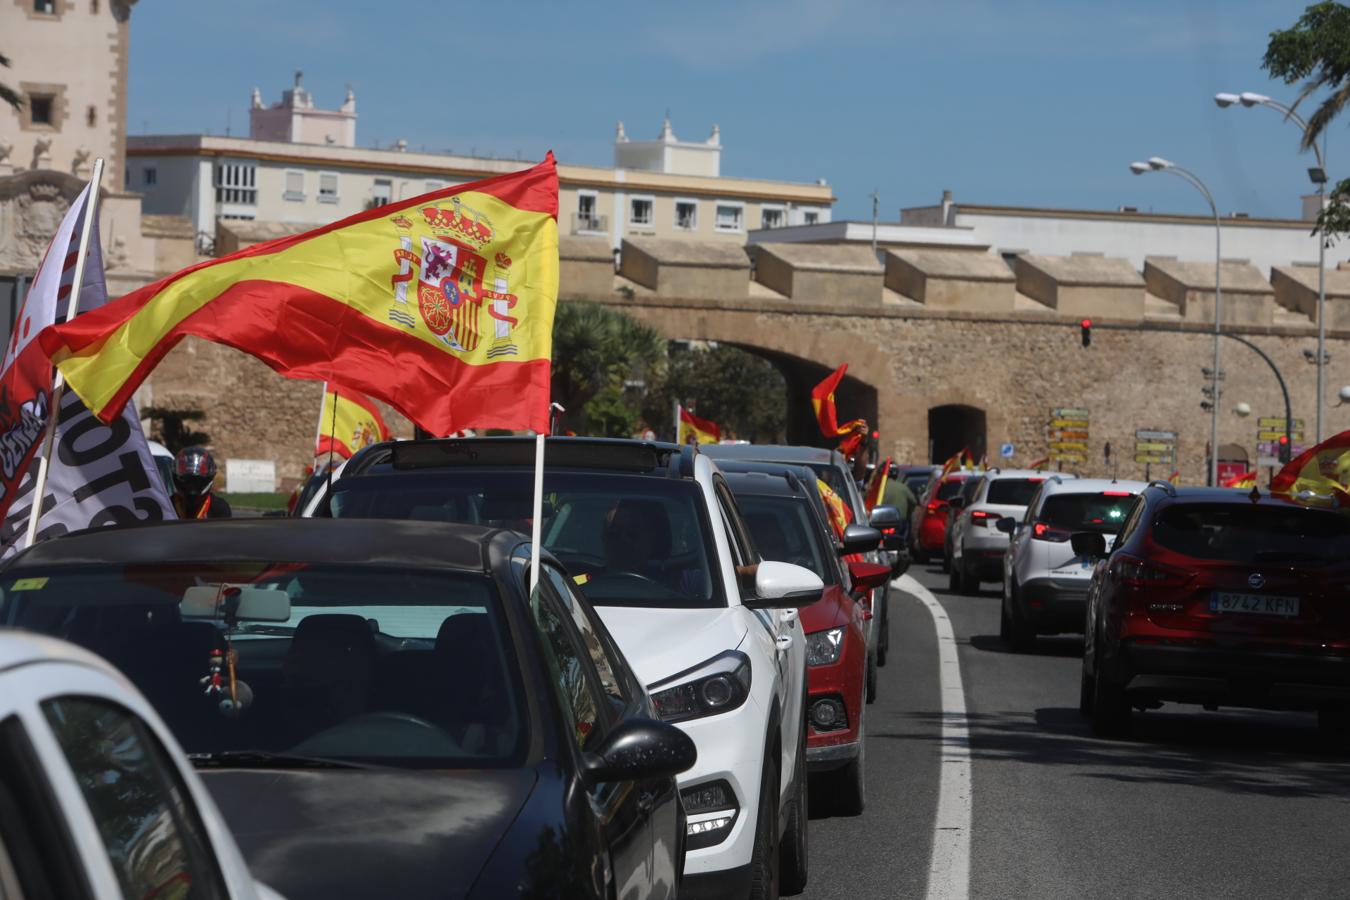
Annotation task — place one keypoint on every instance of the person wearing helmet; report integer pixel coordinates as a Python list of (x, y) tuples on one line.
[(194, 474)]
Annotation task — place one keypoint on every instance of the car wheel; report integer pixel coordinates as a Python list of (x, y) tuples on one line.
[(792, 861), (946, 564), (849, 785), (884, 621), (953, 584), (1110, 714), (1004, 622), (872, 678), (764, 856), (966, 583)]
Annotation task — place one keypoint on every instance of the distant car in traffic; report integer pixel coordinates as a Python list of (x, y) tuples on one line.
[(652, 535), (833, 469), (977, 544), (916, 478), (1219, 598), (1045, 581), (954, 508), (96, 797), (380, 709), (786, 525), (928, 525)]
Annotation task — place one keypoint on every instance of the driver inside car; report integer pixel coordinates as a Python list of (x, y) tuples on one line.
[(637, 541)]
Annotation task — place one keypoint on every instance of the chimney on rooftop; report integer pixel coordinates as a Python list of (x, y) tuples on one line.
[(947, 207)]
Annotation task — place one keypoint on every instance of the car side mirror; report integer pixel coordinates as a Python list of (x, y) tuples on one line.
[(1088, 544), (780, 585), (884, 517), (859, 539), (957, 502), (1007, 524), (866, 575), (640, 750)]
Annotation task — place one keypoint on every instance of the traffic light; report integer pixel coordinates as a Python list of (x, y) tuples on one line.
[(1284, 448), (1086, 326)]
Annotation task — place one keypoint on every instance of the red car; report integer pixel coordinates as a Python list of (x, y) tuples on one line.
[(928, 526), (785, 519), (1219, 598)]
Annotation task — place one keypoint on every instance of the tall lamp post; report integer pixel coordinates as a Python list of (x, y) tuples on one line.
[(1158, 164), (1318, 176)]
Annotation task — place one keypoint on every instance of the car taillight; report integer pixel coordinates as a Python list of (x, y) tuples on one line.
[(1140, 573), (1117, 494), (1042, 531), (935, 505), (984, 518)]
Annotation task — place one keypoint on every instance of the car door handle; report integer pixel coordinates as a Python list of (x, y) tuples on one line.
[(784, 641)]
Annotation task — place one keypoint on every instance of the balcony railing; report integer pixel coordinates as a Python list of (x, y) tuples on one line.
[(583, 224)]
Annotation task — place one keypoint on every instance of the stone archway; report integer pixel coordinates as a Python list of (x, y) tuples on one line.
[(955, 427)]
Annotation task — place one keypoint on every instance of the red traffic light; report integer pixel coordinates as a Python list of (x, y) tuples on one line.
[(1086, 326), (1086, 323), (875, 435), (1284, 439)]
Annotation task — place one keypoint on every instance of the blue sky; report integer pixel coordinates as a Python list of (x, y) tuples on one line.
[(1029, 102)]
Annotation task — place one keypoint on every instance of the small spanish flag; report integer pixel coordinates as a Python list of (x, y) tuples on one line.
[(696, 430), (1041, 464), (876, 485), (1321, 471), (1245, 480), (840, 515), (822, 401), (348, 421)]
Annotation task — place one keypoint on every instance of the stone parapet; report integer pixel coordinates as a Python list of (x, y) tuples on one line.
[(585, 267), (1082, 285), (675, 268), (951, 279), (1248, 298), (1296, 289), (828, 274)]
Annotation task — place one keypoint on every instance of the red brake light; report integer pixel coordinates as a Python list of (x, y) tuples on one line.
[(1117, 494), (1042, 531), (935, 505), (984, 518)]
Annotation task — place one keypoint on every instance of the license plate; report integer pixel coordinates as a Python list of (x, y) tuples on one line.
[(1257, 604)]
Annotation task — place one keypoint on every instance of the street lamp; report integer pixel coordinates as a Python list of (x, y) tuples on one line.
[(1318, 176), (1158, 164)]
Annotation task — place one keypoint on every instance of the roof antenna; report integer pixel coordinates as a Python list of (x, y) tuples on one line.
[(1255, 494)]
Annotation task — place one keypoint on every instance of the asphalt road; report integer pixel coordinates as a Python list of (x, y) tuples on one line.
[(1233, 804)]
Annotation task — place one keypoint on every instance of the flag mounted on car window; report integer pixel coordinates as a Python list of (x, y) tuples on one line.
[(441, 306), (696, 430), (348, 421)]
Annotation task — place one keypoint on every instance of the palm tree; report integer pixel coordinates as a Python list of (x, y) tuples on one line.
[(595, 349), (7, 93), (1316, 51)]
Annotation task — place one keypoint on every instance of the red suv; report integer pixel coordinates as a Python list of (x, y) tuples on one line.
[(928, 527), (1218, 598)]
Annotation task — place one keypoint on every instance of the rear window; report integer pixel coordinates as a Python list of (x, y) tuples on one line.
[(949, 489), (1252, 533), (1087, 512), (969, 487), (1013, 491)]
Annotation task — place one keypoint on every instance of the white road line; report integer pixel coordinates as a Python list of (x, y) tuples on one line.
[(949, 865)]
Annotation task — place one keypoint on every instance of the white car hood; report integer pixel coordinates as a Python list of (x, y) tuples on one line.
[(660, 643)]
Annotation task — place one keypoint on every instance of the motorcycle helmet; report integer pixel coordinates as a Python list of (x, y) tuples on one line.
[(194, 471)]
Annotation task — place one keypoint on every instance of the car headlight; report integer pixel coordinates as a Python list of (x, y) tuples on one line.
[(716, 686), (824, 647)]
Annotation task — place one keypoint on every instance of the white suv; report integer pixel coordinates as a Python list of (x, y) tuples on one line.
[(100, 798), (653, 536), (977, 545), (1044, 583)]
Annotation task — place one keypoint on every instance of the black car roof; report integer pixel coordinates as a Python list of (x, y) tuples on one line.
[(1226, 495), (605, 454), (780, 453), (415, 544)]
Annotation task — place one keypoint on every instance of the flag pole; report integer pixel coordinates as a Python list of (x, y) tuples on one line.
[(318, 432), (536, 522), (59, 382), (676, 439)]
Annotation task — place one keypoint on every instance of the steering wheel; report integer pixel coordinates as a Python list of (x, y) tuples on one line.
[(629, 584)]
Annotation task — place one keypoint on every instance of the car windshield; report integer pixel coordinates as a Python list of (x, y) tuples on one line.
[(784, 530), (630, 540), (1100, 512), (1013, 491), (1250, 533), (386, 666)]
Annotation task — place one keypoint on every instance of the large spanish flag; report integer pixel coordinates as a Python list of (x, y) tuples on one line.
[(1322, 471), (348, 421), (441, 306)]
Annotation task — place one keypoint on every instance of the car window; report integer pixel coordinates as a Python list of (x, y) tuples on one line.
[(1013, 491), (151, 831), (1245, 533), (638, 540), (949, 489), (341, 646), (569, 667), (1132, 521), (605, 666), (784, 529), (1103, 512)]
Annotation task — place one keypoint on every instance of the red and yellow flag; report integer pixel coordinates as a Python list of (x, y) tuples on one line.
[(1241, 480), (876, 485), (348, 421), (1041, 464), (696, 430), (822, 401), (952, 462), (1323, 470), (441, 306), (840, 515)]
